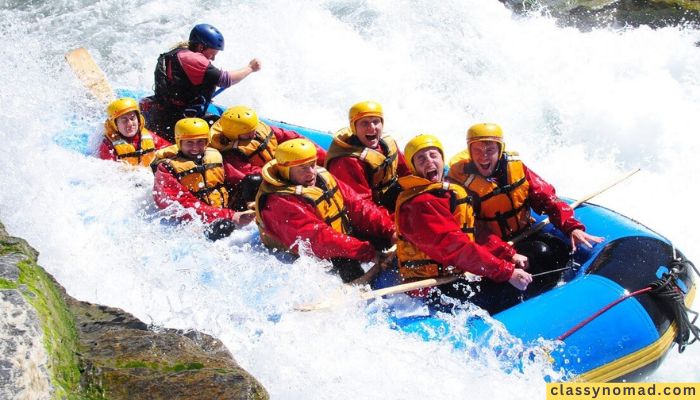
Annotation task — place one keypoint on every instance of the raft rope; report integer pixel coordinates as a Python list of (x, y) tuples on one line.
[(674, 297), (667, 291)]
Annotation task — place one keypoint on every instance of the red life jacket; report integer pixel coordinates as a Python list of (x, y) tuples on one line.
[(413, 262)]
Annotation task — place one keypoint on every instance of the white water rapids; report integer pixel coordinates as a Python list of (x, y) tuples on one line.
[(581, 108)]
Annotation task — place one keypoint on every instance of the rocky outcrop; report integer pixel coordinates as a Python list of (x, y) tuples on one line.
[(54, 346), (588, 14)]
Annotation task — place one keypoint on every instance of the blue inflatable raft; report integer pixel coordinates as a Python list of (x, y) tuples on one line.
[(614, 314), (610, 323)]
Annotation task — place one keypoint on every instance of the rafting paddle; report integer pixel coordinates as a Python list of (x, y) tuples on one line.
[(87, 70), (540, 225), (402, 288)]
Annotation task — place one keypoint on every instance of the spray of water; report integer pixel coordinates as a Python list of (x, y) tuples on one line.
[(580, 107)]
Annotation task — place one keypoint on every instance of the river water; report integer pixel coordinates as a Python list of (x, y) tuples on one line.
[(580, 107)]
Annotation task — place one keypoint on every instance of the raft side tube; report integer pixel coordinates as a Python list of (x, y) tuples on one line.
[(623, 329)]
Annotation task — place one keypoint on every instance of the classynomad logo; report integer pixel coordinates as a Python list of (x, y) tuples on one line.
[(623, 391)]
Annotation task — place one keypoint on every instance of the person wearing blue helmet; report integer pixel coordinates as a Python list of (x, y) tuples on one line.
[(185, 80)]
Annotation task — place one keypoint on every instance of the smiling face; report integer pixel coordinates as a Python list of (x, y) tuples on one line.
[(485, 156), (369, 130), (193, 148), (128, 124), (304, 174), (429, 164)]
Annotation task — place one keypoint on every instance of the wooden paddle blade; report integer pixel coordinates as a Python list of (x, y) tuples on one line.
[(87, 70)]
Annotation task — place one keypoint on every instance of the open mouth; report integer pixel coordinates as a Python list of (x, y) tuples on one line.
[(485, 166), (371, 138), (432, 175)]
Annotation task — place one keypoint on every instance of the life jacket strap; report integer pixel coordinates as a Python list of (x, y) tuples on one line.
[(504, 189), (263, 145), (505, 215), (136, 153), (197, 169), (385, 185)]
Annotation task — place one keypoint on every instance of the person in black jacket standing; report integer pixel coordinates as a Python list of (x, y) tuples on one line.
[(185, 80)]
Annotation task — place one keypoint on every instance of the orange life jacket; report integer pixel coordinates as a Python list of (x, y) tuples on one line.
[(414, 263), (258, 150), (503, 210), (126, 151), (204, 179), (325, 197), (382, 169)]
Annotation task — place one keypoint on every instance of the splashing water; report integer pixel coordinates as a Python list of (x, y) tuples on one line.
[(579, 107)]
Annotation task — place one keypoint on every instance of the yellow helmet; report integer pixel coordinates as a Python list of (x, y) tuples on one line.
[(292, 153), (364, 109), (190, 129), (119, 107), (486, 132), (418, 143), (237, 121)]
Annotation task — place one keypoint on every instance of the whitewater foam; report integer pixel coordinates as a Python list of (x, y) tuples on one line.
[(581, 108)]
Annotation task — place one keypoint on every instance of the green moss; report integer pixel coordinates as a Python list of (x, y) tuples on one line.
[(5, 284), (135, 364), (60, 336), (187, 366), (9, 248), (686, 4), (161, 367)]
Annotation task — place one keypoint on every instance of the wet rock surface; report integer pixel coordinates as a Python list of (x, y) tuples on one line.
[(590, 14), (54, 346), (23, 360), (123, 359)]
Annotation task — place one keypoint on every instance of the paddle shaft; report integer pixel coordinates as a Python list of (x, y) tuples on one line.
[(540, 225), (405, 287), (550, 271)]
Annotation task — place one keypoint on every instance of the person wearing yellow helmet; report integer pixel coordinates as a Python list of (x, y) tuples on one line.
[(185, 80), (435, 228), (300, 202), (192, 175), (365, 158), (126, 138), (246, 144), (504, 191)]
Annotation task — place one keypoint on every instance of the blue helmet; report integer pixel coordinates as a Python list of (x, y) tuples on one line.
[(207, 35)]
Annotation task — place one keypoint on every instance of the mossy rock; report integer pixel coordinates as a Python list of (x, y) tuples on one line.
[(100, 352), (589, 14), (57, 324)]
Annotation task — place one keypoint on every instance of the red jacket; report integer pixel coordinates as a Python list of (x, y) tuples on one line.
[(543, 200), (427, 222), (352, 171), (289, 218), (241, 167), (106, 150), (168, 190)]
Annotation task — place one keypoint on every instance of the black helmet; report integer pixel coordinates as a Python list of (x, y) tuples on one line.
[(207, 35)]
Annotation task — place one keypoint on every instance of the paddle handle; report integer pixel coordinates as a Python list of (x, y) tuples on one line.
[(540, 225), (405, 287)]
